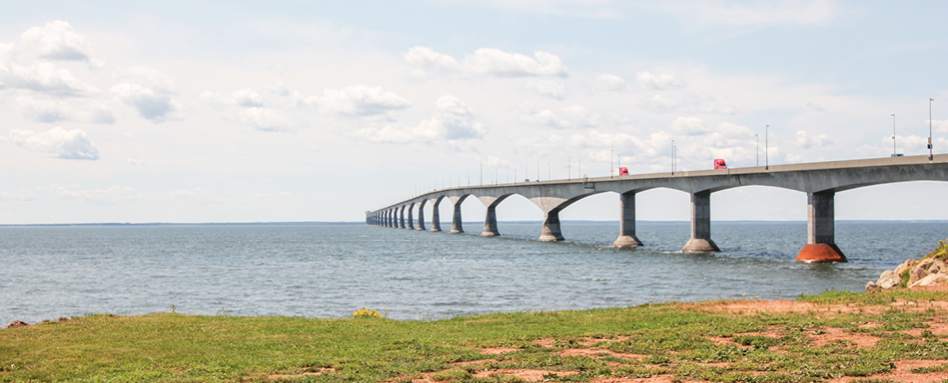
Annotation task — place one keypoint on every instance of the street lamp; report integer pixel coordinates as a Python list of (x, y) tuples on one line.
[(766, 147), (894, 151), (930, 153)]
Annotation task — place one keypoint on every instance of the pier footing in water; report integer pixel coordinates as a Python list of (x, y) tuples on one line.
[(821, 253)]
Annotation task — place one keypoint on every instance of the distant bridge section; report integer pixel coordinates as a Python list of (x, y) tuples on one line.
[(819, 180)]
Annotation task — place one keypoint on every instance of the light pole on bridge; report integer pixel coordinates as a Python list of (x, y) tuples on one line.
[(766, 147), (894, 150), (930, 153)]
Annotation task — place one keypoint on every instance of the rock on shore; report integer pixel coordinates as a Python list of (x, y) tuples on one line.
[(929, 271), (16, 323)]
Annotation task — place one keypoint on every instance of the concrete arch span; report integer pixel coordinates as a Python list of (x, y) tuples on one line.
[(820, 181)]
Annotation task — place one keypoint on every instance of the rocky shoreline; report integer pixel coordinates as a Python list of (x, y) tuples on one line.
[(931, 270)]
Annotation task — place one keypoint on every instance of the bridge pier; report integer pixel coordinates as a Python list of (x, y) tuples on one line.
[(490, 220), (700, 241), (551, 227), (421, 215), (435, 217), (490, 223), (821, 229), (401, 217), (456, 227), (411, 223), (627, 236)]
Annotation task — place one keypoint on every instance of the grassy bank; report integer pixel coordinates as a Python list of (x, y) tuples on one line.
[(856, 337)]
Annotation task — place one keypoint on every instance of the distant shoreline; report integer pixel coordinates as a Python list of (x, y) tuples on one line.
[(317, 223)]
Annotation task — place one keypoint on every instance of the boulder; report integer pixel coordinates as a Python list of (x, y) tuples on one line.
[(932, 280), (904, 266), (17, 323), (872, 287), (888, 280), (919, 271), (938, 267)]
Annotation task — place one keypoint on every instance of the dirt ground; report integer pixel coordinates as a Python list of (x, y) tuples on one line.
[(901, 373)]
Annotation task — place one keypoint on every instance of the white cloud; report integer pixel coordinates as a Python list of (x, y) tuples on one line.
[(907, 144), (658, 82), (247, 97), (453, 121), (136, 162), (609, 82), (264, 119), (277, 88), (546, 118), (100, 113), (44, 110), (494, 162), (940, 126), (428, 58), (57, 142), (547, 88), (779, 12), (564, 8), (688, 104), (49, 111), (155, 106), (569, 117), (806, 142), (148, 77), (361, 100), (57, 40), (489, 61), (690, 126), (42, 77), (622, 142)]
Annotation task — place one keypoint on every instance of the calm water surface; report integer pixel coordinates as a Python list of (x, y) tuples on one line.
[(330, 271)]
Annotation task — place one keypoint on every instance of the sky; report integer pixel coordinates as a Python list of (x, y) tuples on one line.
[(201, 111)]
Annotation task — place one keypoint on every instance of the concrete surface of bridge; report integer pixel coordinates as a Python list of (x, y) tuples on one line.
[(820, 181)]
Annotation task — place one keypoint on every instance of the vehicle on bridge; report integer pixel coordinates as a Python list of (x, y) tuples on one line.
[(719, 164), (623, 171)]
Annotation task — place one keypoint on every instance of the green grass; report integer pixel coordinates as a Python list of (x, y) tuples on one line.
[(674, 339)]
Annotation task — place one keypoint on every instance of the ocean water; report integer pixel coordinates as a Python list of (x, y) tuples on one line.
[(330, 271)]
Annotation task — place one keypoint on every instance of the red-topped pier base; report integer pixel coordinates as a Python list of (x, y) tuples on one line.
[(821, 253)]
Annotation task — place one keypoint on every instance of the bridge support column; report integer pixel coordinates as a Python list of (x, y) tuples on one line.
[(421, 215), (385, 218), (435, 217), (401, 217), (700, 241), (490, 223), (551, 227), (456, 227), (410, 224), (821, 230), (627, 236), (490, 220)]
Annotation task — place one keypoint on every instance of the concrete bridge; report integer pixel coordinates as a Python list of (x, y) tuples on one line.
[(820, 181)]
